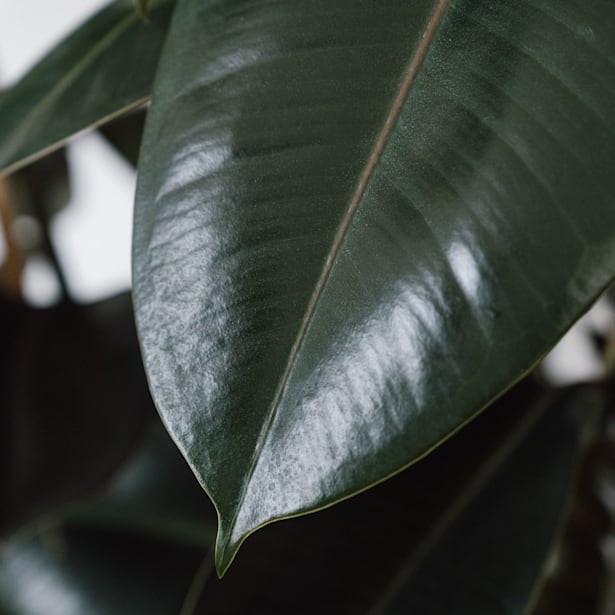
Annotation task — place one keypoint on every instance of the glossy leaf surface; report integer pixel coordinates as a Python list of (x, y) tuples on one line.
[(103, 69), (498, 487), (356, 224)]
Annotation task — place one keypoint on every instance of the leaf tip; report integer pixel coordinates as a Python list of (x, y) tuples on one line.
[(226, 550)]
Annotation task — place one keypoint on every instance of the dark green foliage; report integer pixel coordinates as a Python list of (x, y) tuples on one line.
[(357, 224), (324, 294)]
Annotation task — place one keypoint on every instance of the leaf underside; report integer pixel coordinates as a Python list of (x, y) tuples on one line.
[(103, 69), (357, 224)]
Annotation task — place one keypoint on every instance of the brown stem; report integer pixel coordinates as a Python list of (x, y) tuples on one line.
[(12, 267)]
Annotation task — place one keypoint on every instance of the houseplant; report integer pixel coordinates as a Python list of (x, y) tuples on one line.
[(356, 225)]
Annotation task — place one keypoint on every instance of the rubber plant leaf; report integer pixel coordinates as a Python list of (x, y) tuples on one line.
[(103, 69), (358, 223)]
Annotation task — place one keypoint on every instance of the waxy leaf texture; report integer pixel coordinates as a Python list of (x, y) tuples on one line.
[(357, 223)]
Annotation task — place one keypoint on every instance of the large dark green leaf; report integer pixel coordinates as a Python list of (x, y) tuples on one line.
[(357, 223), (467, 530), (100, 71)]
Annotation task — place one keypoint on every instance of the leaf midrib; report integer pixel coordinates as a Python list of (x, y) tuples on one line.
[(411, 73)]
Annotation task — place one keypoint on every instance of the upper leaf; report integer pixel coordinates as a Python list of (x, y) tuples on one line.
[(357, 223), (104, 68)]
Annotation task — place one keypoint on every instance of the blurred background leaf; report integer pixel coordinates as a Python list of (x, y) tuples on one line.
[(74, 403), (155, 494), (103, 69), (95, 573)]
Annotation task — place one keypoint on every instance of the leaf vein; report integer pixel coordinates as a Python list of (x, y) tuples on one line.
[(415, 64)]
